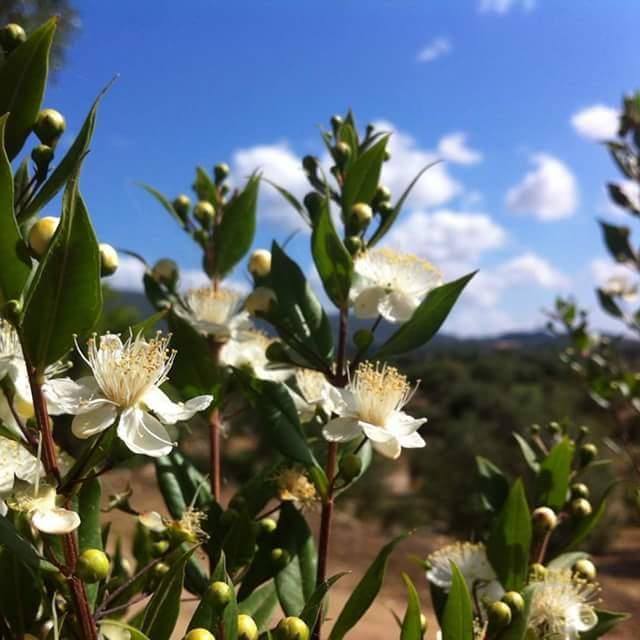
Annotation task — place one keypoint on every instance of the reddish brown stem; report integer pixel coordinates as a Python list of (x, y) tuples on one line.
[(215, 428), (78, 592)]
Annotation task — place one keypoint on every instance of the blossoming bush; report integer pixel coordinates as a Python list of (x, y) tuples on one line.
[(323, 406)]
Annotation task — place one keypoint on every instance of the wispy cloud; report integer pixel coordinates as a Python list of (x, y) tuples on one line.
[(502, 7), (437, 48), (597, 122), (453, 148)]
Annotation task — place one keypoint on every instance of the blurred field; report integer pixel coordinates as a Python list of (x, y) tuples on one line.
[(358, 542)]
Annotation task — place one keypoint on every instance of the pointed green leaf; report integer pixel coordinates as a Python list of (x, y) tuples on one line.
[(363, 176), (616, 238), (528, 453), (457, 619), (21, 549), (411, 623), (165, 202), (260, 605), (607, 620), (552, 481), (90, 531), (314, 605), (493, 484)]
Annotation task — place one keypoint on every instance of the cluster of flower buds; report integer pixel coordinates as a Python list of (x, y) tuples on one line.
[(11, 36)]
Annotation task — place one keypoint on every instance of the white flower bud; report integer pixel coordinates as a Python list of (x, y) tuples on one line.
[(260, 263), (41, 233)]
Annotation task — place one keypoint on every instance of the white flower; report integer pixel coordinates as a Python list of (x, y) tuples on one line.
[(153, 521), (113, 630), (17, 462), (315, 394), (620, 286), (372, 404), (474, 565), (39, 502), (391, 284), (216, 312), (248, 350), (125, 385), (562, 606)]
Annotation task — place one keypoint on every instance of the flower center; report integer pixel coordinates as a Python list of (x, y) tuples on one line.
[(214, 306), (9, 342), (379, 390), (125, 372)]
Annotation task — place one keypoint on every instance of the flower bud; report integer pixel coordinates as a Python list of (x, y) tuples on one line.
[(584, 431), (276, 352), (341, 153), (42, 155), (182, 204), (159, 570), (310, 164), (11, 36), (260, 263), (350, 466), (221, 172), (201, 237), (108, 259), (537, 571), (579, 490), (535, 429), (266, 527), (385, 209), (514, 601), (336, 122), (219, 594), (247, 628), (280, 558), (387, 156), (580, 508), (313, 202), (554, 428), (499, 615), (423, 623), (41, 234), (362, 338), (383, 194), (199, 634), (353, 244), (260, 300), (93, 565), (587, 453), (159, 548), (361, 214), (49, 126), (585, 569), (544, 519), (204, 213), (292, 628), (166, 272)]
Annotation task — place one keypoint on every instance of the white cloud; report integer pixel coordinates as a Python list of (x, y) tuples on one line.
[(530, 268), (597, 122), (453, 149), (437, 48), (434, 188), (502, 7), (549, 192), (450, 239)]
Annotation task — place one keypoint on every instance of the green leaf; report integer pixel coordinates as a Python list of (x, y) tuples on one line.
[(68, 166), (15, 264), (426, 319), (64, 298), (240, 542), (411, 623), (165, 202), (457, 619), (608, 304), (606, 621), (493, 484), (234, 235), (23, 78), (510, 540), (363, 176), (260, 605), (161, 614), (588, 524), (385, 223), (315, 603), (90, 531), (295, 583), (364, 594), (145, 326), (300, 319), (134, 634), (21, 549), (331, 258), (528, 453), (204, 186), (616, 239), (552, 481)]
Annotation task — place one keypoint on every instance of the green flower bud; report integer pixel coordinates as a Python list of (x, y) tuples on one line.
[(42, 155), (387, 156), (544, 519), (280, 558), (160, 569), (260, 300), (199, 634), (383, 194), (247, 628), (579, 490), (350, 466), (11, 36), (310, 164), (361, 214), (584, 431), (49, 126), (554, 428), (353, 244), (292, 628), (535, 428), (363, 338), (499, 615), (580, 508), (41, 233), (159, 548), (267, 526), (336, 122), (182, 204), (385, 209), (260, 263), (221, 172), (204, 213), (179, 534), (201, 237), (313, 201), (276, 352), (166, 272), (585, 569), (587, 453), (93, 566), (108, 259), (514, 601), (341, 153), (219, 594), (537, 571)]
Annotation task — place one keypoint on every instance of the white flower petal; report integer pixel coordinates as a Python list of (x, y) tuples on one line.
[(55, 521), (66, 396), (376, 434), (113, 631), (153, 521), (412, 441), (171, 412), (389, 449), (341, 430), (583, 617), (98, 418), (402, 424), (398, 306), (367, 304), (143, 434)]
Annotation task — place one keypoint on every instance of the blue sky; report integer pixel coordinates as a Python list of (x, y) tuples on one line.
[(510, 93)]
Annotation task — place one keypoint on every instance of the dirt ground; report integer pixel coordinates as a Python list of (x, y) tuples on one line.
[(358, 543)]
